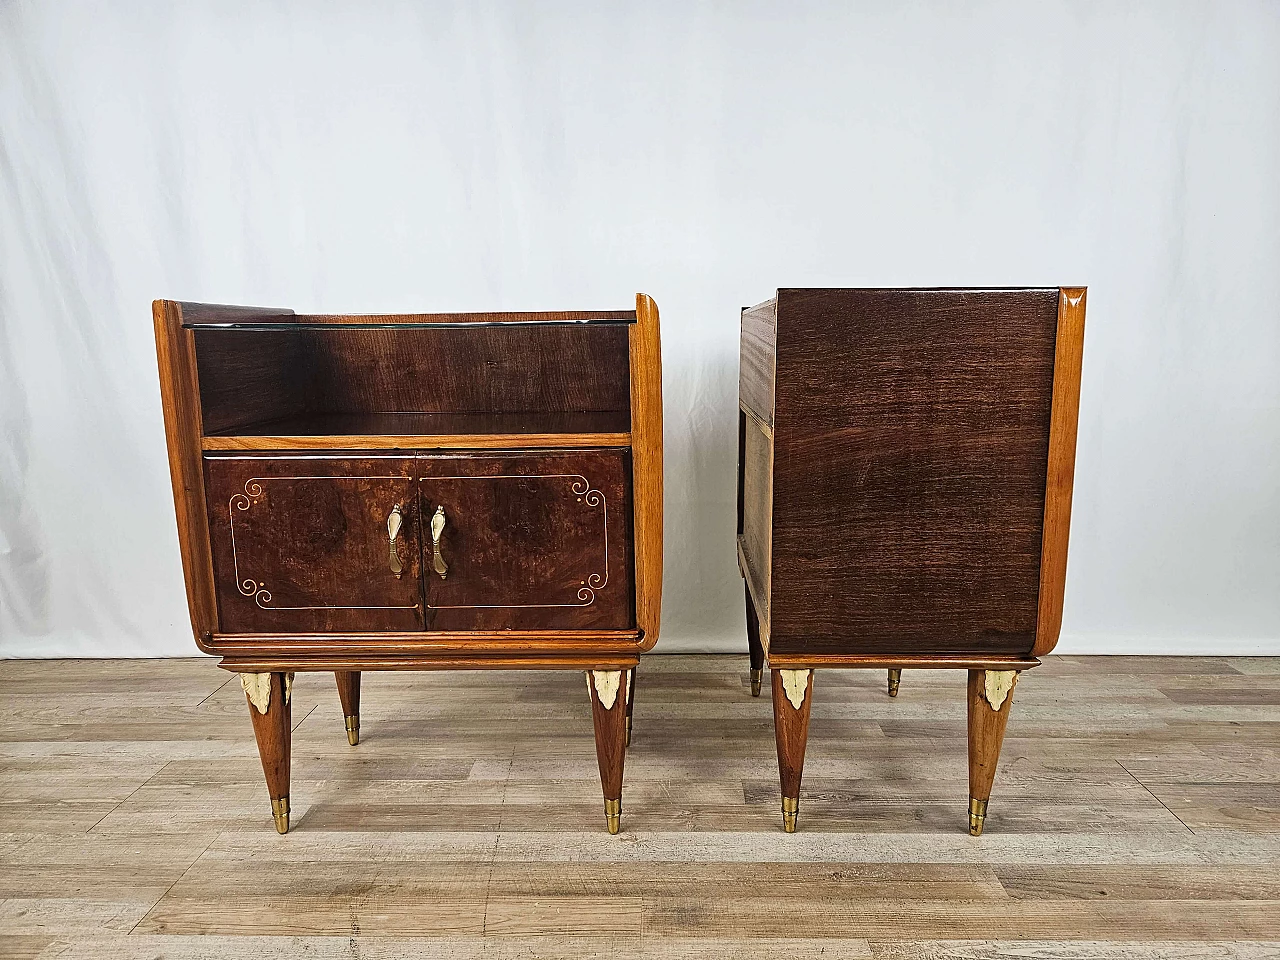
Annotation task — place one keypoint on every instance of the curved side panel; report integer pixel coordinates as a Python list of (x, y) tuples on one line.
[(180, 397), (1068, 359), (646, 458)]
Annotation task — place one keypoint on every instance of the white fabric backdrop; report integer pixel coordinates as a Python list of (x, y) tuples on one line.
[(393, 156)]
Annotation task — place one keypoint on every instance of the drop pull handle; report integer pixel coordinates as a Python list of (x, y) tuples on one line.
[(394, 522), (437, 531)]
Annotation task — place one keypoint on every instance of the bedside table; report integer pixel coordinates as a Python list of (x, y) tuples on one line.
[(904, 494), (417, 492)]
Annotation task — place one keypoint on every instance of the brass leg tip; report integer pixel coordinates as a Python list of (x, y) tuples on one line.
[(613, 815), (895, 678), (628, 731), (977, 816), (353, 730), (757, 676), (280, 811), (790, 810)]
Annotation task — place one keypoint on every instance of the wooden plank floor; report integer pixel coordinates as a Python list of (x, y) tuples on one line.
[(1136, 815)]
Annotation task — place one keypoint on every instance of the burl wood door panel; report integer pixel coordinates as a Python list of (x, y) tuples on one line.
[(911, 447), (541, 541), (301, 543)]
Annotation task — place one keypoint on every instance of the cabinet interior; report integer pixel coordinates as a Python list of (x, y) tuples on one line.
[(310, 380)]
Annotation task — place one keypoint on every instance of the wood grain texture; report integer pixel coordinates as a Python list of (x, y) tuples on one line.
[(400, 431), (180, 401), (1068, 361), (245, 375), (302, 544), (495, 643), (509, 370), (348, 691), (134, 824), (538, 541), (357, 441), (791, 732), (986, 728), (646, 464), (877, 661), (610, 724), (757, 359), (285, 371), (272, 731), (756, 528), (202, 313), (911, 441)]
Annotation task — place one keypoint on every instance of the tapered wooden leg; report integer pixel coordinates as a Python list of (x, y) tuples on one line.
[(631, 699), (349, 694), (990, 697), (792, 698), (753, 645), (268, 695), (609, 690), (895, 678)]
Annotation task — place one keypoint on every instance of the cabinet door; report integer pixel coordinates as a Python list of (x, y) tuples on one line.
[(538, 541), (303, 543)]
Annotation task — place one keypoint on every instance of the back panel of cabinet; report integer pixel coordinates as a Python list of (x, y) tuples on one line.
[(910, 451)]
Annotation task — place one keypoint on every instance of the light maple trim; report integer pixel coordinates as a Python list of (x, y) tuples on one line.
[(1064, 419), (468, 441), (180, 402), (646, 465)]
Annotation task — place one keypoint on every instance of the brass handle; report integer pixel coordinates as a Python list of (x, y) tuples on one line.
[(394, 522), (437, 530)]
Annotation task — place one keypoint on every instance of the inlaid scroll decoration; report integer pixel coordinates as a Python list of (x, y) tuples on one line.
[(581, 488), (258, 590)]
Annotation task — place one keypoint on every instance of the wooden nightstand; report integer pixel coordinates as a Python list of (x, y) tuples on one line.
[(417, 492), (904, 494)]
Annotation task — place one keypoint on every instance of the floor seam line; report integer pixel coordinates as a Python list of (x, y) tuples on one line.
[(1154, 797), (215, 690), (169, 889)]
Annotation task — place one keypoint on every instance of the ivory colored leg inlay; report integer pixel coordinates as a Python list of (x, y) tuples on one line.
[(607, 683), (257, 686), (997, 686), (795, 683)]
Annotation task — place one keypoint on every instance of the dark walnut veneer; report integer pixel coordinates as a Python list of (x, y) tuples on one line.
[(904, 489), (417, 491)]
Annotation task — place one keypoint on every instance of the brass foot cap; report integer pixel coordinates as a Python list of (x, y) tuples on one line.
[(613, 815), (977, 816), (895, 678), (756, 677), (790, 810), (353, 730), (628, 731), (280, 811)]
